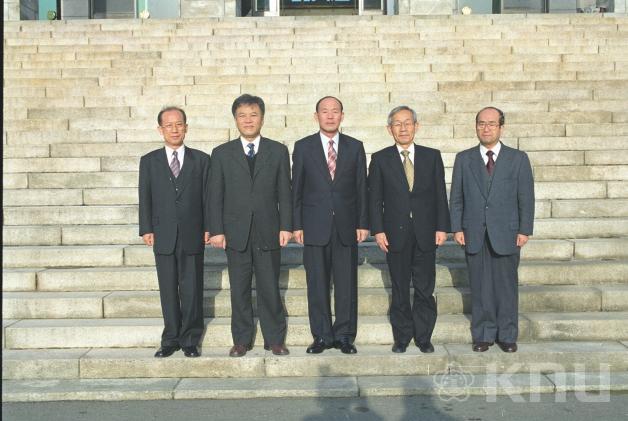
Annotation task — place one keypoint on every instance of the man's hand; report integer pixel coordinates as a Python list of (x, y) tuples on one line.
[(521, 240), (284, 238), (298, 236), (361, 234), (382, 241), (206, 238), (149, 239), (459, 238), (441, 237), (218, 241)]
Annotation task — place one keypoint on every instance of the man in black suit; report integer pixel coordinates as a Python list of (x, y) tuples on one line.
[(410, 219), (251, 218), (330, 218), (173, 216)]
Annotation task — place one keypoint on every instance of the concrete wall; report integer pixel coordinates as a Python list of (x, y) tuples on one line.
[(427, 7)]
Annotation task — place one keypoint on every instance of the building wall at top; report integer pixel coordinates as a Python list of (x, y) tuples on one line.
[(207, 8)]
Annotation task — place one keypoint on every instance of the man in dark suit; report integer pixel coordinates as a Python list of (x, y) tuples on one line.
[(410, 219), (251, 218), (173, 218), (492, 215), (330, 218)]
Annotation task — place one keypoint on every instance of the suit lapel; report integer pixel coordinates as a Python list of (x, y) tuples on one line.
[(162, 159), (319, 155), (502, 163), (188, 163), (237, 153), (341, 152), (419, 175), (479, 171), (396, 165), (261, 156)]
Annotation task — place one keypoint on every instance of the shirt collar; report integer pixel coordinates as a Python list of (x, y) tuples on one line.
[(245, 144), (180, 151), (325, 139), (410, 149), (496, 149)]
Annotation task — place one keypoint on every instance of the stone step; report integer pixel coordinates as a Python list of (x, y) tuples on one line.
[(145, 332), (371, 360), (371, 302), (95, 279), (596, 384)]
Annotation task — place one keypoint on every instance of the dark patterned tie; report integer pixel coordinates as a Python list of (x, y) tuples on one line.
[(251, 152), (331, 159), (490, 165), (408, 168), (175, 167)]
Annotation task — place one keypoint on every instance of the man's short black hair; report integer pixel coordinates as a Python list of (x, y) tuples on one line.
[(171, 108), (246, 99), (328, 96), (500, 112)]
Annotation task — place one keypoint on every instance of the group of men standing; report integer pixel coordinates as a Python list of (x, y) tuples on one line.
[(245, 201)]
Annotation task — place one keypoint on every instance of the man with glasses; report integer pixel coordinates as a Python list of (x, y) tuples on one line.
[(492, 216), (409, 219), (173, 219)]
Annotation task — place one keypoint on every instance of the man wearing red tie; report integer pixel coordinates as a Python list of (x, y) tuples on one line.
[(330, 218)]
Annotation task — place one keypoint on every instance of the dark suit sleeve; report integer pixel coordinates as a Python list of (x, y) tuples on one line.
[(362, 190), (442, 211), (206, 192), (216, 196), (376, 196), (297, 187), (525, 197), (285, 193), (145, 199), (456, 200)]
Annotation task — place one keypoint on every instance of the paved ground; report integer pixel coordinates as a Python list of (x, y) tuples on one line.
[(546, 407)]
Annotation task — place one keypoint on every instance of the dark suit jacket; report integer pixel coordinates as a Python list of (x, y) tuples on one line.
[(237, 199), (391, 201), (318, 201), (503, 206), (174, 210)]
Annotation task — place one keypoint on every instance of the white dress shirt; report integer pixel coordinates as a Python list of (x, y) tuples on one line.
[(325, 142), (245, 144), (410, 155), (180, 155), (496, 149)]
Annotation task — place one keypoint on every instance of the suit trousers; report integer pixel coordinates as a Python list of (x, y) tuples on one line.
[(494, 295), (180, 278), (265, 264), (412, 264), (322, 263)]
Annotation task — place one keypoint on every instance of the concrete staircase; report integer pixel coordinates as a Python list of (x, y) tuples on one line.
[(81, 314)]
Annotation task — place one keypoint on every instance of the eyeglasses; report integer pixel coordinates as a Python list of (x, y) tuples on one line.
[(172, 126), (404, 124), (483, 124)]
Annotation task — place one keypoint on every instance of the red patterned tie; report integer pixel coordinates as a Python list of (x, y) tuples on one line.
[(490, 165), (331, 158)]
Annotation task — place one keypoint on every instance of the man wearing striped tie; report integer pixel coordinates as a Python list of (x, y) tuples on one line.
[(409, 219), (173, 220), (330, 217)]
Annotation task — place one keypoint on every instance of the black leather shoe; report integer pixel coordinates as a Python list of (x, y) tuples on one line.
[(481, 346), (425, 347), (399, 348), (278, 349), (239, 350), (191, 352), (508, 346), (345, 346), (166, 351), (317, 346)]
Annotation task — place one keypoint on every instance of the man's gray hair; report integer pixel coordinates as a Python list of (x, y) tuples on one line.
[(395, 110)]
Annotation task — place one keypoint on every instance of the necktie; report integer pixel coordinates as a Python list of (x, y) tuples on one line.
[(175, 167), (490, 165), (331, 159), (408, 168), (251, 152)]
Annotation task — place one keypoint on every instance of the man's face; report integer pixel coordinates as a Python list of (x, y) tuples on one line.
[(173, 129), (329, 116), (403, 128), (249, 120), (487, 128)]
